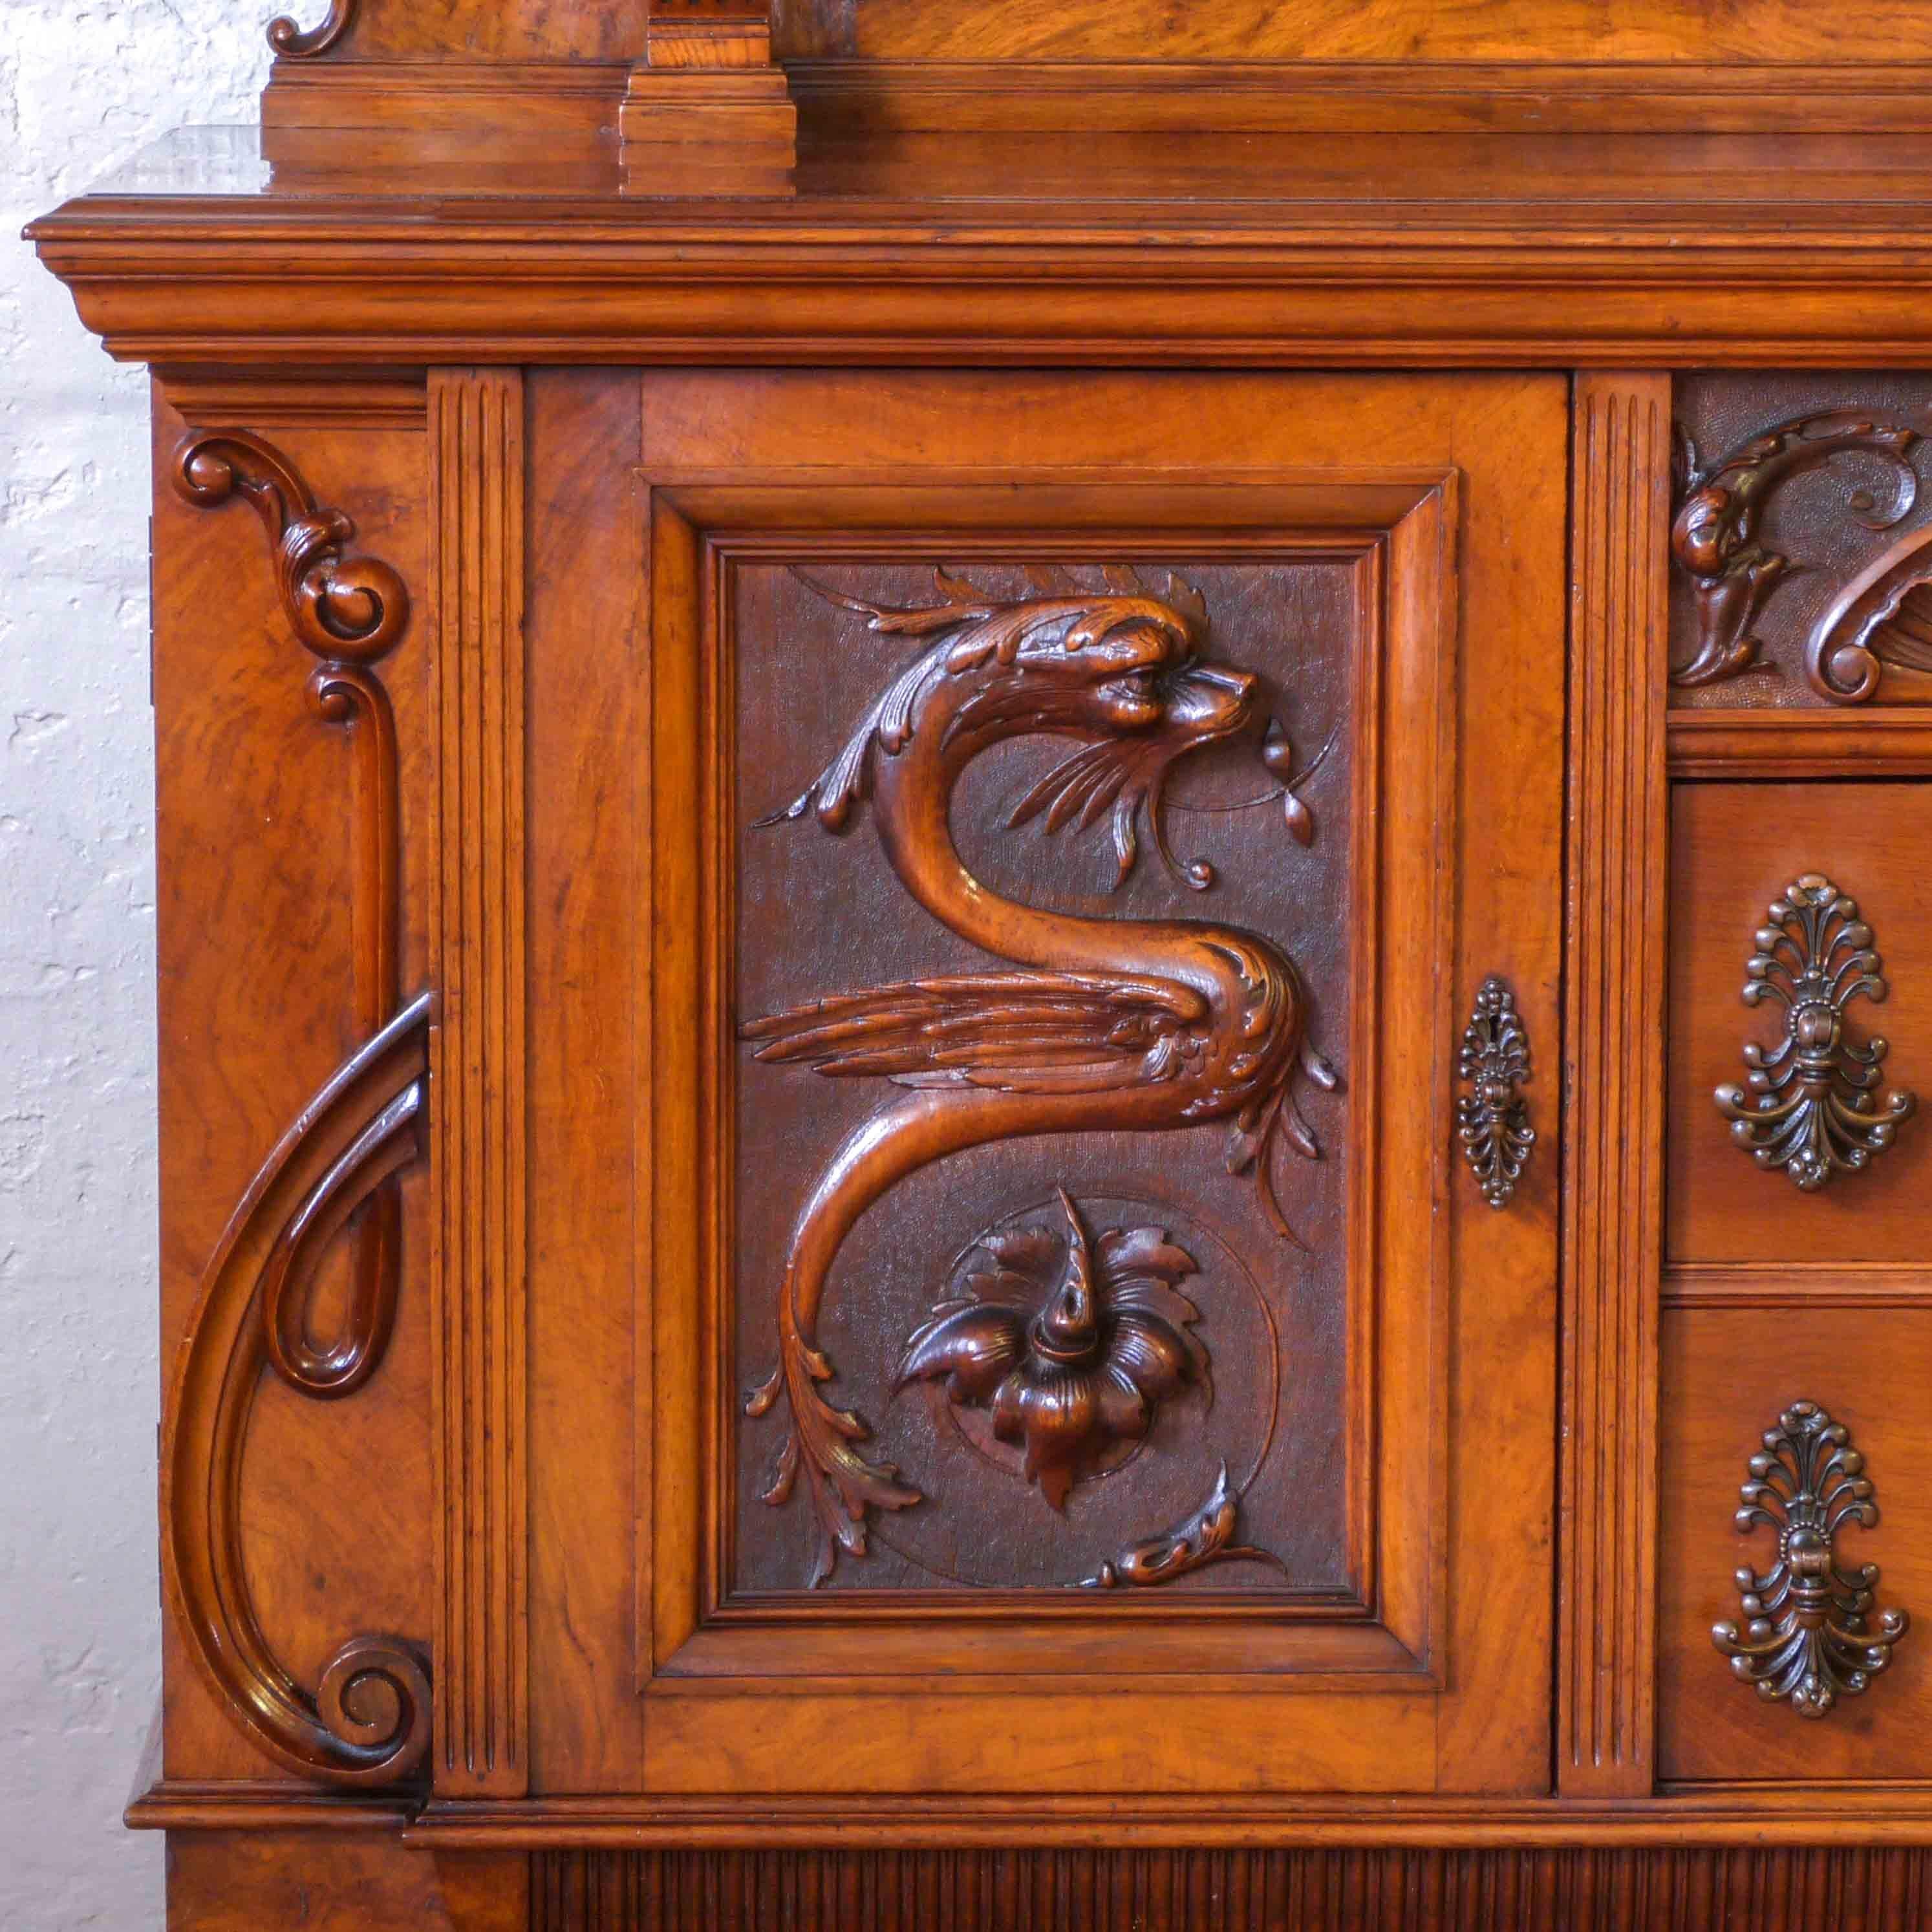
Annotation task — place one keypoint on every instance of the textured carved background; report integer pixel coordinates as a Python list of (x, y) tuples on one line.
[(1809, 519), (819, 913)]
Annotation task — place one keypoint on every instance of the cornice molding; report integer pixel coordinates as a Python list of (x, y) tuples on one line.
[(243, 286)]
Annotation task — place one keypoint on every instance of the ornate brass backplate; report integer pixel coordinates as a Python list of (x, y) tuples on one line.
[(1808, 1634), (1807, 1106)]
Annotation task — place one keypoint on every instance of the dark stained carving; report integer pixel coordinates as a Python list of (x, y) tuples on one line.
[(1204, 1537), (367, 1723), (1101, 1023), (1808, 1636), (1072, 1343), (1811, 1109), (1714, 535), (1882, 616), (1493, 1122), (288, 39)]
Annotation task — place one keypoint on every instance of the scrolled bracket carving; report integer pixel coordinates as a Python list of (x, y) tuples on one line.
[(1492, 1122), (1883, 616), (367, 1723), (1808, 1636), (296, 43), (1714, 535), (348, 610), (1810, 1108), (333, 1173)]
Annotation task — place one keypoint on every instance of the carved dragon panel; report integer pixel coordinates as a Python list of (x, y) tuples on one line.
[(1030, 1276)]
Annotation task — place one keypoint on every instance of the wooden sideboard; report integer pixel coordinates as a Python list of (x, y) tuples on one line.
[(960, 811)]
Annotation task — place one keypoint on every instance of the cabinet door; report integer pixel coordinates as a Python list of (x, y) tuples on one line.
[(1081, 1348)]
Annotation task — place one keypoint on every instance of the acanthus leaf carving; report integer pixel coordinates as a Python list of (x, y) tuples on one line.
[(1809, 1109), (1808, 1636), (1099, 1023), (1204, 1537), (1714, 535)]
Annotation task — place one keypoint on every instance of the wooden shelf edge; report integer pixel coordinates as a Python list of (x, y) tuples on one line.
[(186, 1805), (1892, 741), (1733, 1817)]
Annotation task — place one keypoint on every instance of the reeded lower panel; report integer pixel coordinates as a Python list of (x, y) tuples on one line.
[(1508, 1890), (1076, 1083)]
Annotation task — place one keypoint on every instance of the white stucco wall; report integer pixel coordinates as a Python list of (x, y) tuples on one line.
[(83, 84)]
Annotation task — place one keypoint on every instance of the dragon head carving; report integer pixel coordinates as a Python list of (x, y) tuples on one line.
[(1119, 670)]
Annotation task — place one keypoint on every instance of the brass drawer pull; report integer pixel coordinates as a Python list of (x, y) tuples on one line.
[(1493, 1121), (1808, 1636), (1808, 1105)]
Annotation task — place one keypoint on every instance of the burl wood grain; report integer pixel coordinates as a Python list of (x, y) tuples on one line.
[(263, 958), (497, 30), (338, 1882), (1384, 30)]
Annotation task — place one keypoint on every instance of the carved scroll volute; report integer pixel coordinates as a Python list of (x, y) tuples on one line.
[(1883, 616), (1714, 536), (294, 43), (348, 611), (1492, 1120), (368, 1721), (1811, 1108), (334, 1172), (1808, 1635)]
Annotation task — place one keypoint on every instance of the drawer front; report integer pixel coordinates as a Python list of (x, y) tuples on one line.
[(1794, 1546), (1798, 1235)]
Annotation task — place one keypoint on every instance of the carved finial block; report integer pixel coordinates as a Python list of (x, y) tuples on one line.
[(707, 82)]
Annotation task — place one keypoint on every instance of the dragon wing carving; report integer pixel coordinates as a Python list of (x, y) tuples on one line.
[(1037, 1033)]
